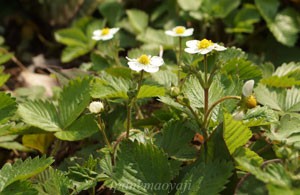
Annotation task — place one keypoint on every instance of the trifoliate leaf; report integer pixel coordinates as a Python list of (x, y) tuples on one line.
[(175, 140), (138, 167)]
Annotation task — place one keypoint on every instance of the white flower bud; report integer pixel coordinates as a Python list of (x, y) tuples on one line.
[(96, 107)]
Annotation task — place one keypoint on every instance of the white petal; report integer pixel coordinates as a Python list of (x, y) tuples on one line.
[(170, 33), (191, 50), (151, 69), (238, 115), (188, 32), (156, 61), (131, 60), (206, 50), (248, 88), (97, 32), (97, 38), (135, 66), (219, 47), (107, 37), (113, 30), (192, 43)]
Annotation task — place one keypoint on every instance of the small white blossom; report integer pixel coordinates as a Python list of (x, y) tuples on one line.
[(180, 31), (96, 107), (104, 34), (203, 47), (146, 63)]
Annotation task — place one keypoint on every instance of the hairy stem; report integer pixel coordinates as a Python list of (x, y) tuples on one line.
[(102, 129), (206, 116), (179, 60), (131, 102)]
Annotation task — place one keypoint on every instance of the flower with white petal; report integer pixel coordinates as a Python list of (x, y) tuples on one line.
[(180, 31), (249, 98), (203, 47), (145, 62), (104, 34), (96, 107)]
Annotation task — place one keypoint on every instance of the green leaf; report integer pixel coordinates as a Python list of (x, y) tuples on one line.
[(138, 19), (251, 186), (242, 68), (112, 11), (82, 128), (110, 87), (235, 133), (7, 107), (22, 170), (166, 78), (259, 116), (246, 153), (157, 37), (41, 114), (283, 25), (20, 188), (283, 82), (281, 100), (147, 91), (189, 5), (71, 37), (73, 100), (244, 20), (267, 8), (175, 140), (219, 8), (207, 178), (287, 131), (72, 52), (5, 57), (52, 181), (138, 167)]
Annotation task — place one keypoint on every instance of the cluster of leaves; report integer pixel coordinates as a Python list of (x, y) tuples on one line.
[(257, 154)]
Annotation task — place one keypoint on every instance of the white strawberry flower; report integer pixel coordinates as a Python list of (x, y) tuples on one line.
[(203, 47), (180, 31), (145, 62), (104, 34), (96, 107)]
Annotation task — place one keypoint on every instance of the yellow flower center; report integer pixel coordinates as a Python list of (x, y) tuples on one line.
[(144, 59), (204, 43), (179, 30), (251, 101), (105, 31)]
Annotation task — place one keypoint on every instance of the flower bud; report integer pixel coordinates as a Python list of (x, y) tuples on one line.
[(175, 91), (96, 107)]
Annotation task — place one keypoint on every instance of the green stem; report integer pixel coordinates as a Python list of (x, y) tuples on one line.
[(102, 129), (206, 86), (206, 116), (179, 60), (131, 102)]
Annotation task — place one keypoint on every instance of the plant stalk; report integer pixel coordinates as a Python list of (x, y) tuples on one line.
[(102, 129), (179, 60), (131, 102)]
